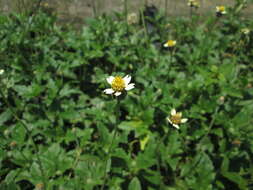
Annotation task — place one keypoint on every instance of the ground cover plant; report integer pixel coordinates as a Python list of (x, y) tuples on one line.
[(100, 108)]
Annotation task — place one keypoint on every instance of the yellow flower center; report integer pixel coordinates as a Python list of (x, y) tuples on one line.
[(176, 119), (118, 84), (221, 8), (171, 43)]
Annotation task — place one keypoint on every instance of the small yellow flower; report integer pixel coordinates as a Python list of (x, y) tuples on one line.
[(220, 10), (170, 43), (118, 85), (193, 3), (175, 118), (245, 31)]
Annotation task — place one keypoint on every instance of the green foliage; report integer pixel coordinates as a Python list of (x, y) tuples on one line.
[(57, 125)]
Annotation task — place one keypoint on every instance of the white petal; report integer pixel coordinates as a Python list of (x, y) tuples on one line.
[(173, 112), (127, 79), (1, 71), (176, 126), (184, 120), (117, 93), (109, 91), (179, 114), (130, 86), (110, 79), (165, 45), (169, 120)]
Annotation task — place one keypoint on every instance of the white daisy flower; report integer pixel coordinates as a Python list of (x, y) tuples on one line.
[(220, 10), (193, 3), (118, 85), (170, 43), (175, 118), (132, 18), (1, 71), (245, 31)]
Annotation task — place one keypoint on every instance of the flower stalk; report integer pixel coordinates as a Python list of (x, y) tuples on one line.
[(115, 129), (26, 127)]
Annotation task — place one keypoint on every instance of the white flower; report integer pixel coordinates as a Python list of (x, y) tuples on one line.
[(1, 71), (118, 85), (170, 43), (132, 18), (245, 31), (220, 10), (176, 118), (193, 3)]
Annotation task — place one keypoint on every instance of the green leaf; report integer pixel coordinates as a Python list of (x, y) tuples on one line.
[(67, 91), (236, 178), (134, 184), (232, 92), (5, 116)]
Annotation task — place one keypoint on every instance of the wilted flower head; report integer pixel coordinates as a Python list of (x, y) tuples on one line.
[(1, 71), (39, 186), (132, 18), (245, 31), (221, 99), (118, 85), (175, 118), (13, 144), (168, 25), (170, 43), (193, 3), (45, 4), (220, 10)]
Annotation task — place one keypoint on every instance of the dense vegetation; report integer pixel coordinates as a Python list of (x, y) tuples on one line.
[(60, 131)]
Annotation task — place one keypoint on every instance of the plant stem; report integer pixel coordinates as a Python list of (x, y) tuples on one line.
[(112, 142), (166, 8), (211, 123), (171, 58), (126, 13), (26, 127), (144, 25), (93, 4), (159, 154)]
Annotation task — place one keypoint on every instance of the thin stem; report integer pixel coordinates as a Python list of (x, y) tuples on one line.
[(207, 133), (14, 113), (26, 127), (144, 25), (78, 153), (171, 58), (159, 154), (112, 142), (126, 13), (211, 123), (93, 4), (166, 7)]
